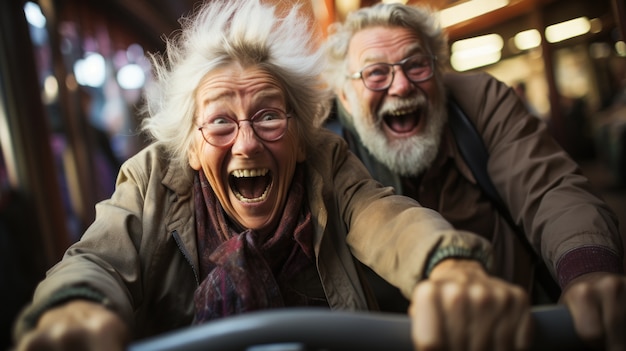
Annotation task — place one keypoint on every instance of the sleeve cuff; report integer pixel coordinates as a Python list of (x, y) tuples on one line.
[(446, 252), (31, 315), (585, 260)]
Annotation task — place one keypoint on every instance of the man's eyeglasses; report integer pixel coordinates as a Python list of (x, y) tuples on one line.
[(379, 76), (268, 124)]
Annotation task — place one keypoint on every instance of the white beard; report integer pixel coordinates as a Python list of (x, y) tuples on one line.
[(409, 156)]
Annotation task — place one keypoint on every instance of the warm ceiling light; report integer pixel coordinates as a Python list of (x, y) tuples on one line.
[(469, 9), (481, 44), (596, 25), (527, 39), (464, 64), (568, 29), (620, 48), (50, 89), (344, 7), (476, 52)]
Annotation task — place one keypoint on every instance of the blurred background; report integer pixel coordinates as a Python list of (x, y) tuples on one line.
[(72, 74)]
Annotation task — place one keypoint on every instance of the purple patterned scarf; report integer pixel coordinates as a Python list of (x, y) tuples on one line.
[(245, 272)]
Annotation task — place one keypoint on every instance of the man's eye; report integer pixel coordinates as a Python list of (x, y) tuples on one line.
[(416, 63), (376, 71)]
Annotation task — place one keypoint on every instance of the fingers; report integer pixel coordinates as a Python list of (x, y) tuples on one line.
[(58, 337), (426, 321), (470, 314), (483, 302), (78, 325), (501, 317), (525, 329), (613, 311), (586, 315), (597, 302), (454, 302), (513, 326)]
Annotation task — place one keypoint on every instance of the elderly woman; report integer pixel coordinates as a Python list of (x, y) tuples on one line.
[(242, 202)]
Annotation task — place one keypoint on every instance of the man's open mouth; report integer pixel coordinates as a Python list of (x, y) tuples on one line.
[(402, 121), (250, 185)]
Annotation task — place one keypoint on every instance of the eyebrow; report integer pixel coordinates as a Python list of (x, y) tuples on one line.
[(261, 100), (412, 50), (260, 96)]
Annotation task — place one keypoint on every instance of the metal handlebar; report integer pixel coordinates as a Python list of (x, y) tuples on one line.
[(303, 329)]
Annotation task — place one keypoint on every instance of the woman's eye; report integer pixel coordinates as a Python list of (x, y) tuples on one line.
[(268, 116), (220, 120)]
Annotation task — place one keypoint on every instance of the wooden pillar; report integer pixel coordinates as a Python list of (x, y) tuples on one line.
[(619, 10), (43, 227), (557, 122), (80, 173)]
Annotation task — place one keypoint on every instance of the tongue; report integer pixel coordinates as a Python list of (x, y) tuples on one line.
[(401, 124), (251, 187)]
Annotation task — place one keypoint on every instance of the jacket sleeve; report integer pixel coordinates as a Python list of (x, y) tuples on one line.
[(546, 193), (104, 266), (392, 234)]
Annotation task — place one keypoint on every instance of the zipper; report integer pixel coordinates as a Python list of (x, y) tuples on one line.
[(181, 247)]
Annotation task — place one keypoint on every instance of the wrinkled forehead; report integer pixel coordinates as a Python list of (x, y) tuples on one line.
[(234, 83), (384, 44)]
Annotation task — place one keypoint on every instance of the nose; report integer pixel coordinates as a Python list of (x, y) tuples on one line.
[(400, 84), (246, 143)]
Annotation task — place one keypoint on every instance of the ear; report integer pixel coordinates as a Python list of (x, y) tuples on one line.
[(343, 99), (194, 158)]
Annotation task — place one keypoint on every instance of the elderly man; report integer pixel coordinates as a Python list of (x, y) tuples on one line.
[(399, 111)]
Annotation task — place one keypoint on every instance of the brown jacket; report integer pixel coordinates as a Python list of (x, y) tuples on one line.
[(540, 184), (141, 251)]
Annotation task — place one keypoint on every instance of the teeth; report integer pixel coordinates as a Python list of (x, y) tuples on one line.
[(247, 173), (249, 201), (400, 112)]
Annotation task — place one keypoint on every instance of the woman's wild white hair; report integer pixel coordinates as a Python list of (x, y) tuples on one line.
[(219, 33), (421, 20)]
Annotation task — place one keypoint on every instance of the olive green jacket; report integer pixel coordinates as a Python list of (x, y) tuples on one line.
[(141, 251)]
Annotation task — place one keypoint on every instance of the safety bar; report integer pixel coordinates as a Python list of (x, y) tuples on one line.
[(304, 329)]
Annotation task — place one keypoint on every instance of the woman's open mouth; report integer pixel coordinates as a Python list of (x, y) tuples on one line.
[(250, 185)]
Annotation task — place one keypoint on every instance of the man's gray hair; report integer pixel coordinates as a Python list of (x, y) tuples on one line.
[(420, 20), (223, 32)]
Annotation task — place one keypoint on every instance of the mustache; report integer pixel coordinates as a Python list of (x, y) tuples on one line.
[(411, 103)]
